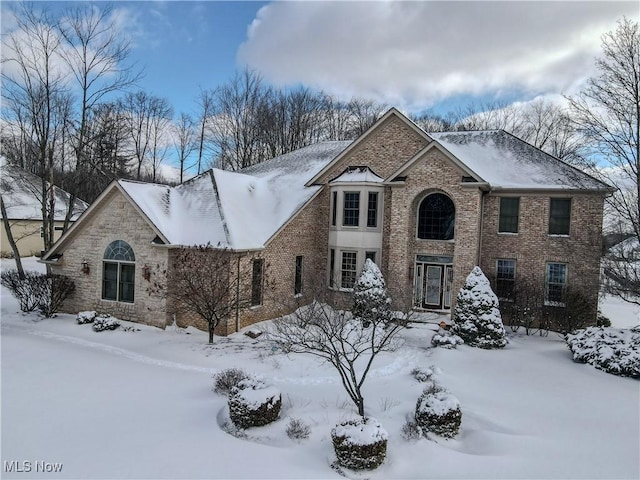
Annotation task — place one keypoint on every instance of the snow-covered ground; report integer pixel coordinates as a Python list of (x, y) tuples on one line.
[(138, 404)]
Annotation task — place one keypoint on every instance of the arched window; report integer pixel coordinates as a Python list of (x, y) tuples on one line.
[(118, 272), (436, 217)]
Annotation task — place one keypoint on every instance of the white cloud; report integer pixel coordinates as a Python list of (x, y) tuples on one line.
[(413, 54)]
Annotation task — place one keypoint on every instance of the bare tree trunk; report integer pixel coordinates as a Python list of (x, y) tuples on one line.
[(12, 243)]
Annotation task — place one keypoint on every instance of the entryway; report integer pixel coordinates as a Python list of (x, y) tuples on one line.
[(433, 278)]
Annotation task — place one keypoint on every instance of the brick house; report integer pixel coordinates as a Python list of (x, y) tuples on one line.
[(425, 207)]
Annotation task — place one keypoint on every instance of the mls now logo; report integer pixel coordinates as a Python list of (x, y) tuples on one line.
[(15, 466)]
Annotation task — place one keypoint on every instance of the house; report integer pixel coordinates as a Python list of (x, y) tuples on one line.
[(425, 207), (22, 194)]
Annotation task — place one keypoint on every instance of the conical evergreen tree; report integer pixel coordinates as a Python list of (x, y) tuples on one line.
[(371, 302), (476, 317)]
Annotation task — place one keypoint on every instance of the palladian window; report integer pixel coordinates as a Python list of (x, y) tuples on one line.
[(436, 217), (118, 272)]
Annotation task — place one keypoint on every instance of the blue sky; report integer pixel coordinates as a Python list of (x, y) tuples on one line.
[(413, 55)]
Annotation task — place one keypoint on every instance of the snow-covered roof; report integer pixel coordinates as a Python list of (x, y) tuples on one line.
[(237, 210), (357, 175), (22, 195), (506, 162)]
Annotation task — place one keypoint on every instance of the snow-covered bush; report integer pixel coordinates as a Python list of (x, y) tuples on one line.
[(104, 322), (225, 380), (423, 374), (360, 443), (477, 317), (252, 403), (86, 317), (438, 411), (411, 431), (613, 350), (446, 339), (371, 302), (297, 429)]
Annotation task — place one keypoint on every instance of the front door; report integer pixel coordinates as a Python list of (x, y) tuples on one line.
[(433, 286)]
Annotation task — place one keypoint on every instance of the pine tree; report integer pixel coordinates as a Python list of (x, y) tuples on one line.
[(477, 318), (371, 302)]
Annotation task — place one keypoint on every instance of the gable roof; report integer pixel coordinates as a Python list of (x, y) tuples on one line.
[(236, 210), (506, 162), (22, 195)]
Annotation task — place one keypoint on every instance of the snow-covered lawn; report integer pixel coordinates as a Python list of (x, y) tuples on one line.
[(138, 404)]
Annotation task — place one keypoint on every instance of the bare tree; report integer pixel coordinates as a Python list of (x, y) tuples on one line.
[(364, 113), (206, 101), (206, 282), (184, 135), (607, 114), (349, 342)]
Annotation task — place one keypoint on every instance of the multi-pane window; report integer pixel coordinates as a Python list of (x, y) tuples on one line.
[(351, 209), (556, 282), (509, 210), (505, 278), (297, 286), (372, 210), (257, 281), (334, 208), (348, 269), (436, 217), (118, 272), (559, 216)]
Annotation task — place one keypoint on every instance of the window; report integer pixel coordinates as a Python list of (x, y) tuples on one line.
[(118, 272), (334, 208), (332, 269), (348, 271), (505, 279), (559, 216), (371, 256), (351, 209), (297, 285), (256, 282), (436, 217), (372, 210), (555, 283), (509, 210)]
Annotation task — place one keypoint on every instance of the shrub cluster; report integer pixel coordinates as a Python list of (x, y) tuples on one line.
[(37, 291), (86, 317), (254, 404), (446, 339), (225, 380), (360, 443), (104, 322), (613, 350), (438, 411)]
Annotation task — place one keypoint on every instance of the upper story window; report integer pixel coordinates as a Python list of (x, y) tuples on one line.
[(297, 284), (351, 209), (436, 217), (257, 281), (334, 208), (509, 212), (118, 272), (559, 216), (372, 210)]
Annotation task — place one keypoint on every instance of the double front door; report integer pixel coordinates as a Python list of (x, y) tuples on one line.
[(433, 285)]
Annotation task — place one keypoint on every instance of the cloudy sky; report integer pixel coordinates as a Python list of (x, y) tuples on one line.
[(414, 55)]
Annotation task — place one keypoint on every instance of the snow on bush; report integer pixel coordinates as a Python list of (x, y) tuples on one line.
[(252, 403), (614, 350), (411, 431), (438, 411), (446, 339), (477, 316), (297, 429), (423, 374), (104, 322), (86, 317), (360, 443), (225, 380), (370, 298)]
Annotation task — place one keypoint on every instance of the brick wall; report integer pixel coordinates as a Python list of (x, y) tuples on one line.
[(115, 219)]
